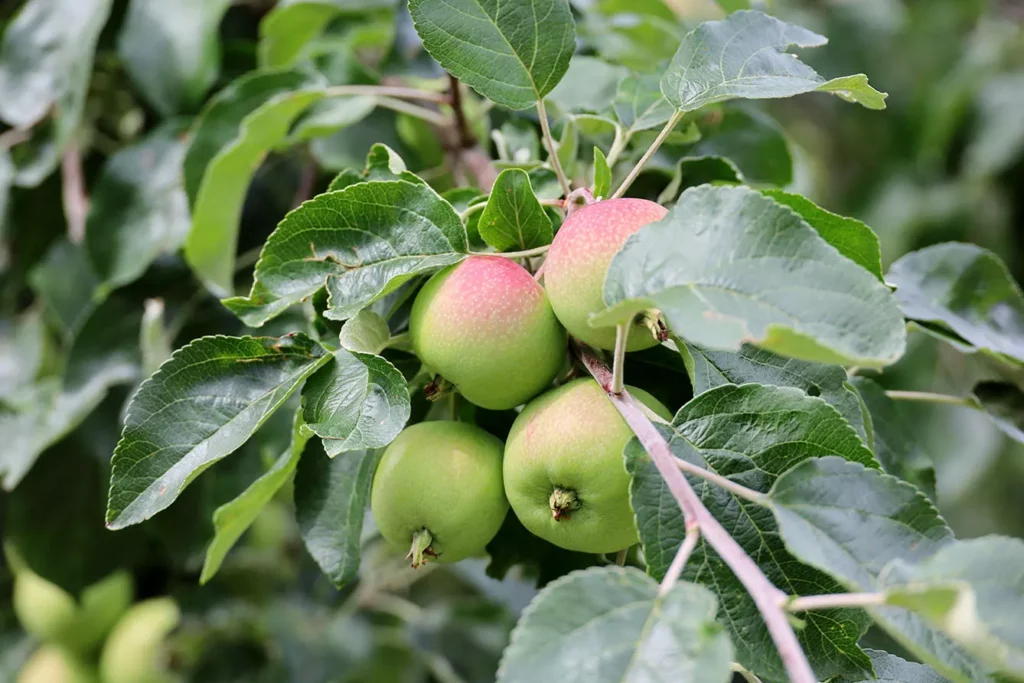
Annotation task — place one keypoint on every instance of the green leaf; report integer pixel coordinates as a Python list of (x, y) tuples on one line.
[(849, 236), (171, 51), (138, 209), (999, 133), (331, 497), (513, 218), (362, 242), (602, 175), (22, 345), (65, 280), (357, 401), (639, 104), (751, 140), (514, 53), (229, 141), (692, 171), (1004, 403), (200, 406), (965, 289), (344, 179), (743, 56), (568, 147), (892, 669), (289, 27), (365, 332), (609, 624), (384, 163), (232, 519), (588, 85), (853, 522), (729, 266), (709, 369), (750, 434)]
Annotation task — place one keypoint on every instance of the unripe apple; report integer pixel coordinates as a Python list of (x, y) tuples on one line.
[(486, 326), (50, 664), (438, 493), (578, 261), (564, 472), (132, 653)]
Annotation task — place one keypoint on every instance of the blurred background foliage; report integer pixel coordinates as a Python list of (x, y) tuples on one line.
[(944, 162)]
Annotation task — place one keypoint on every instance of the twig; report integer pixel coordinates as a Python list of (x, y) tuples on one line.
[(14, 136), (619, 359), (647, 155), (675, 570), (466, 137), (307, 181), (738, 490), (748, 676), (76, 202), (470, 210), (386, 91), (770, 600), (618, 144), (401, 106), (620, 557), (837, 600), (550, 142), (536, 251), (928, 397)]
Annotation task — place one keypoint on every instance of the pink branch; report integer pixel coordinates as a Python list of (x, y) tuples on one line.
[(76, 202)]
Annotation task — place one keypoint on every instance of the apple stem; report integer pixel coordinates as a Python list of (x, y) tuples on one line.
[(563, 502), (647, 155), (619, 362), (549, 142), (420, 549), (578, 198), (526, 253)]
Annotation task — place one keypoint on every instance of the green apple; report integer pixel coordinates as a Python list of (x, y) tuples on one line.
[(132, 653), (51, 664)]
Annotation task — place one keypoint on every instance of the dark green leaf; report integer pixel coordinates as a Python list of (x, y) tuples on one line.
[(514, 53), (1004, 403), (693, 171), (602, 175), (513, 218), (609, 624), (200, 406), (639, 104), (66, 282), (361, 242), (892, 669), (751, 140)]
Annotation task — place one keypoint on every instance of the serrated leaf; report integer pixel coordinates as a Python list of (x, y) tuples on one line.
[(345, 178), (513, 218), (365, 332), (609, 624), (709, 369), (171, 51), (743, 56), (384, 163), (729, 266), (138, 209), (966, 289), (892, 669), (361, 242), (232, 519), (750, 434), (1004, 404), (357, 401), (588, 85), (851, 238), (513, 53), (331, 497), (852, 522), (602, 175), (229, 141), (639, 104), (200, 406)]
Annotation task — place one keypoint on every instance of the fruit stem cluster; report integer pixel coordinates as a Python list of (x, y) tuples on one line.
[(563, 502), (420, 549)]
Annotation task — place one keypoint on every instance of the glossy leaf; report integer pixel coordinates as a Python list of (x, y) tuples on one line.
[(331, 497), (172, 50), (361, 242), (892, 669), (365, 332), (608, 624), (751, 434), (513, 219), (202, 404), (639, 104), (513, 53), (965, 289), (744, 56), (230, 139), (357, 401), (1004, 403), (729, 266)]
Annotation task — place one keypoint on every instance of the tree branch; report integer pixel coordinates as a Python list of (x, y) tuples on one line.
[(76, 202)]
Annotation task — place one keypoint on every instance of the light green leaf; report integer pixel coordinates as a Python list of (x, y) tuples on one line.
[(357, 401), (22, 345), (751, 434), (743, 56), (138, 208), (513, 218), (892, 669), (602, 175), (639, 104), (588, 85), (965, 289), (154, 337), (362, 242), (568, 147), (172, 50), (200, 406), (1004, 403), (232, 519), (365, 332), (230, 139), (514, 53), (289, 27), (331, 497), (609, 624), (729, 266), (384, 163), (330, 115)]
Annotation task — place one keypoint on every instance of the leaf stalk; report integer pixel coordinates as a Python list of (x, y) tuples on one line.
[(647, 155), (550, 144)]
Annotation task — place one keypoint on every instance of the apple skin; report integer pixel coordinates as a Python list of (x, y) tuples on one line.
[(578, 261), (51, 664), (444, 477), (132, 653), (571, 438), (486, 326)]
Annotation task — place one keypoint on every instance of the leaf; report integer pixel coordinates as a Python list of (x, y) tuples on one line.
[(966, 289), (138, 209), (65, 280), (709, 369), (892, 669), (639, 104), (513, 53), (750, 434), (1004, 403), (365, 332), (362, 242), (331, 496), (357, 401), (289, 27), (852, 522), (999, 134), (232, 519), (229, 141), (750, 139), (729, 266), (568, 147), (588, 85), (608, 624), (513, 218), (897, 445), (602, 175), (22, 345), (384, 163), (744, 56), (851, 238), (200, 406), (171, 51), (704, 170)]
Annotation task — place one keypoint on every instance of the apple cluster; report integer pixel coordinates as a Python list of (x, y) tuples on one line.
[(499, 337)]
